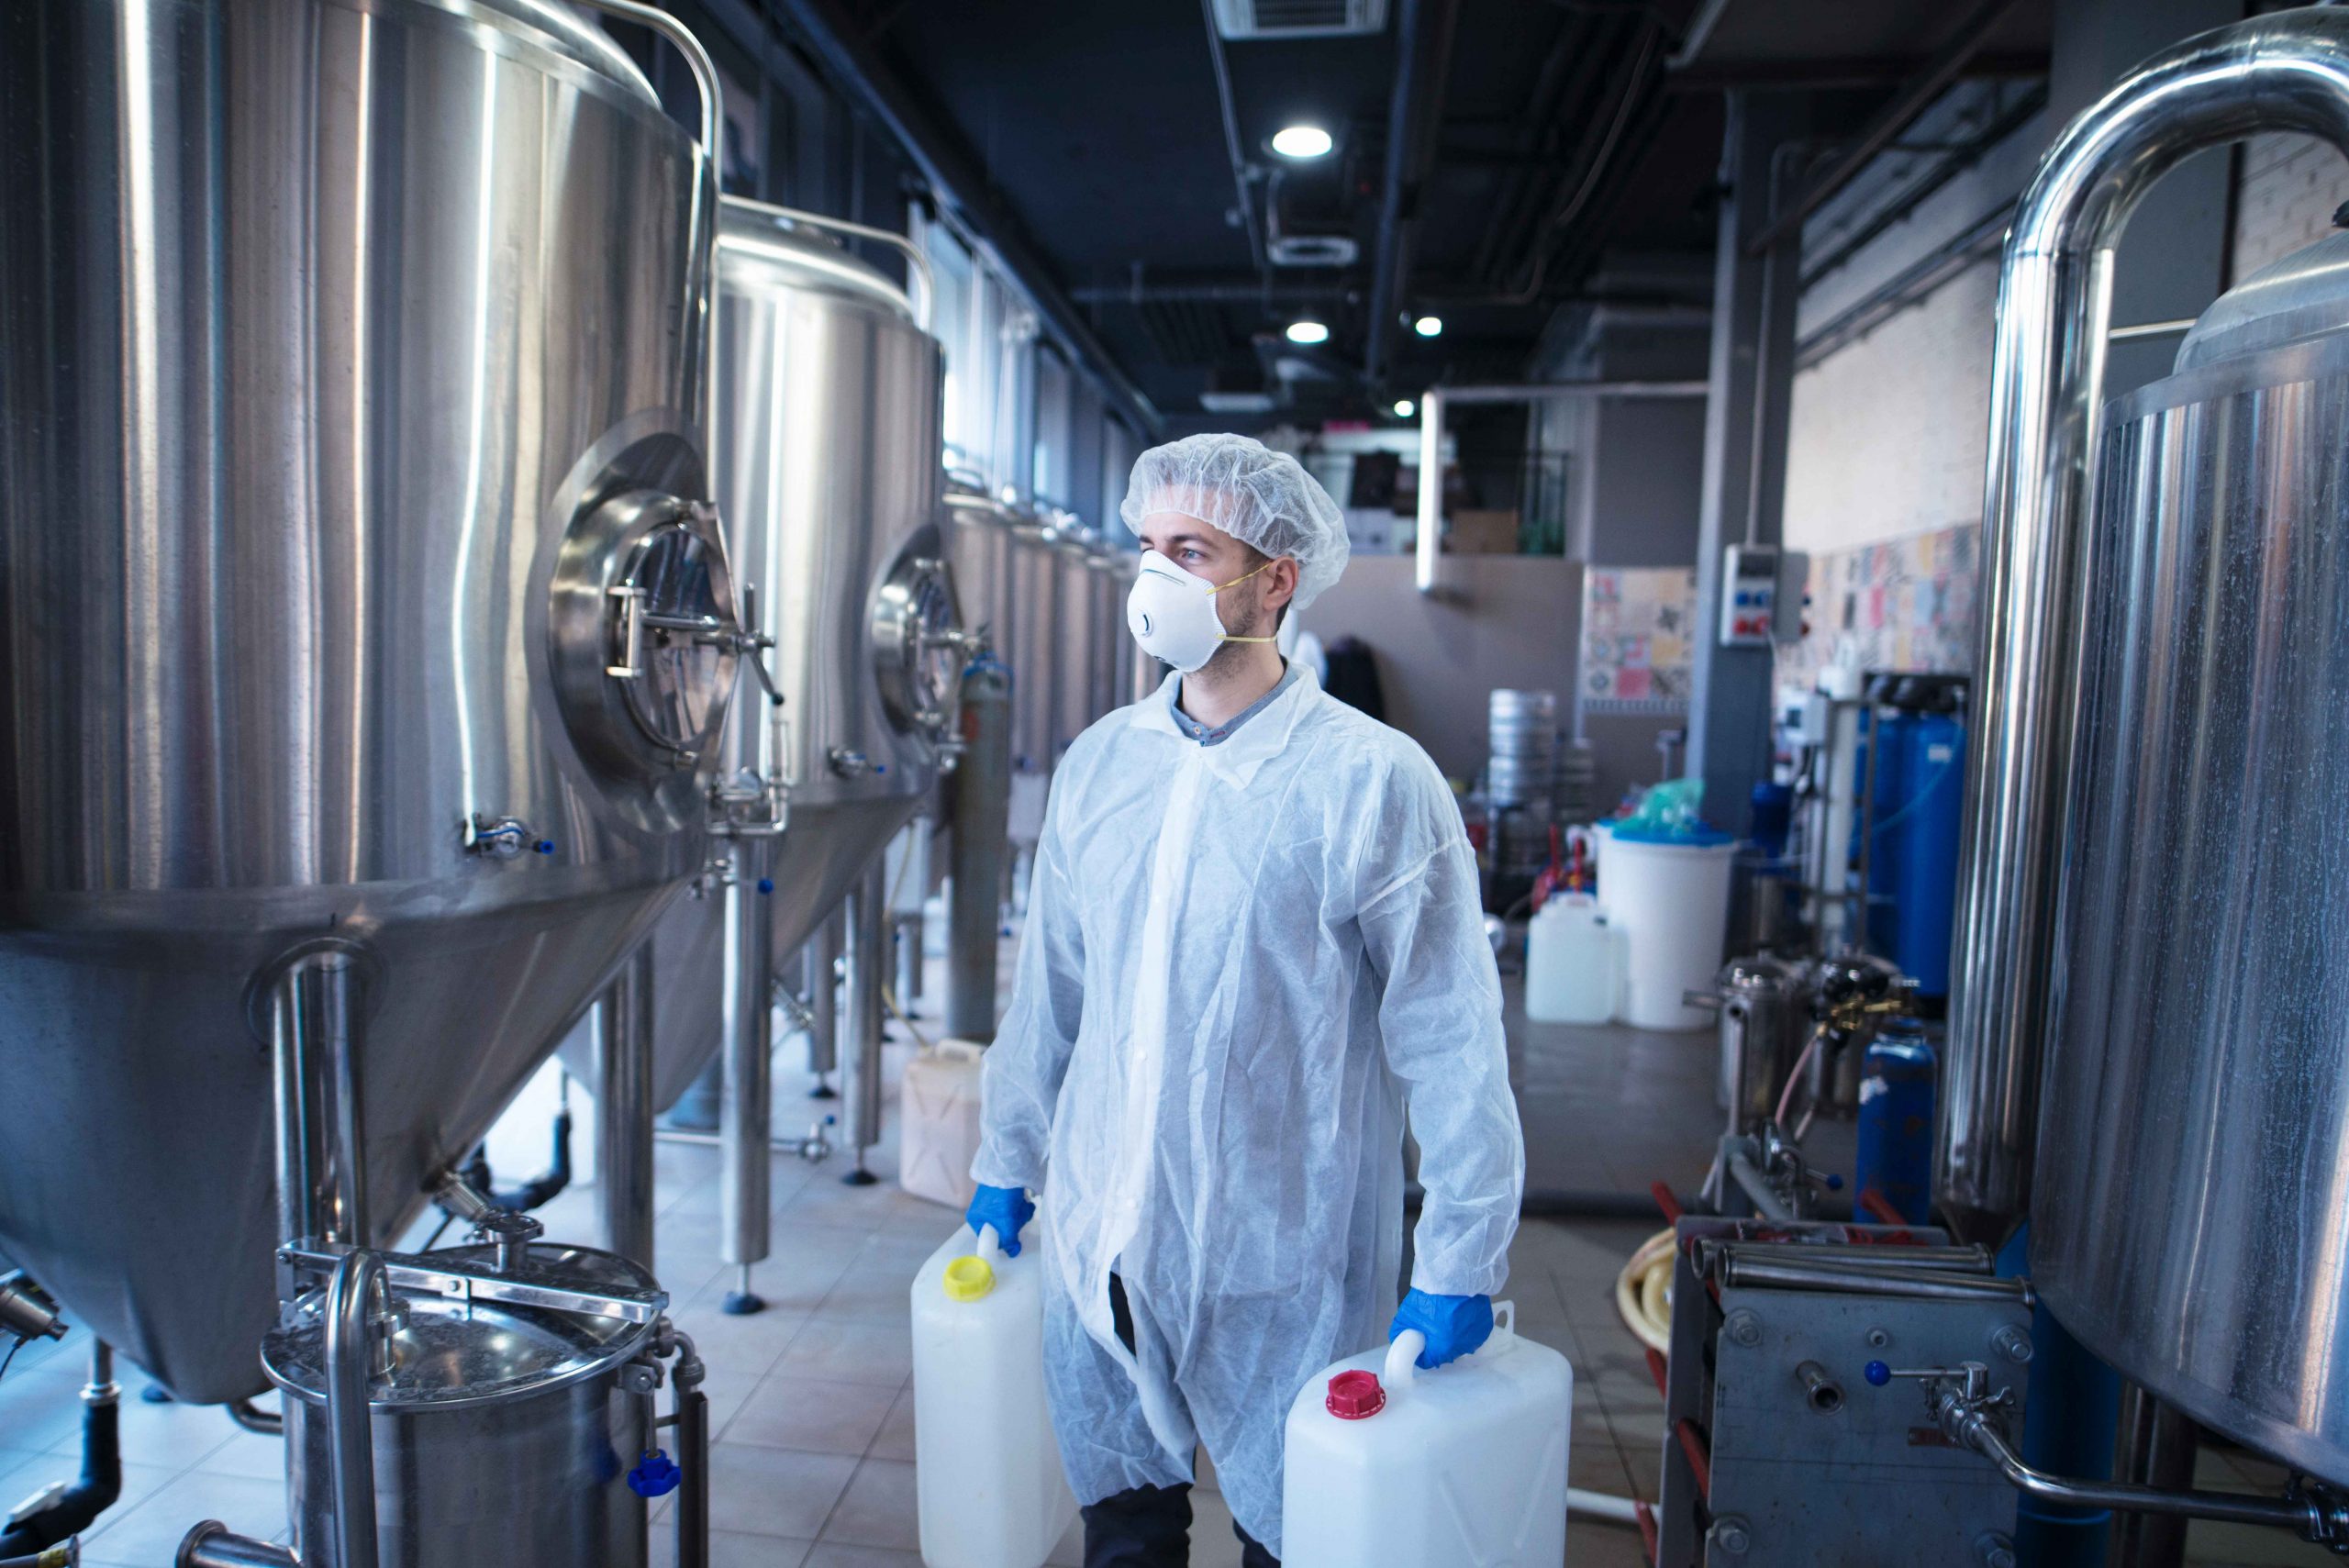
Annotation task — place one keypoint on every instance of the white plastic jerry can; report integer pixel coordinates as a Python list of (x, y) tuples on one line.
[(988, 1478), (937, 1133), (1462, 1467), (1574, 962)]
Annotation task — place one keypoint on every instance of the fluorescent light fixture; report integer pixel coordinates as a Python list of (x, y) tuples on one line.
[(1308, 331), (1302, 141), (1428, 326), (1404, 408)]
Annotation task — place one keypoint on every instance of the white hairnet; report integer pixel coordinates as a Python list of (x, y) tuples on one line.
[(1259, 497)]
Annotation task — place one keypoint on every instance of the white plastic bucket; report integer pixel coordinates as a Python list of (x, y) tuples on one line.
[(1408, 1469), (989, 1487), (938, 1135), (1573, 963), (1671, 904)]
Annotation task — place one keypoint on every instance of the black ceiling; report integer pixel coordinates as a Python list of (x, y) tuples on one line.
[(1567, 131)]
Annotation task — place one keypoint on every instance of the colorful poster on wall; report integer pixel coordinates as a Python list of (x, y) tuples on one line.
[(1905, 603), (1636, 652)]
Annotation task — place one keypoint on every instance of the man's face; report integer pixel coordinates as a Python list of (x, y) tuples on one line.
[(1249, 608)]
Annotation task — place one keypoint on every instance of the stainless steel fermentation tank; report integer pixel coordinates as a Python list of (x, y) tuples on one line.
[(2281, 73), (826, 452), (352, 362), (2151, 972), (2195, 1237)]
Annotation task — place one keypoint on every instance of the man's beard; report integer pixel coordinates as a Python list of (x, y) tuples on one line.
[(1229, 656)]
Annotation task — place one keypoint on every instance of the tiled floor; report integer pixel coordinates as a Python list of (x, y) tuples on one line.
[(811, 1400)]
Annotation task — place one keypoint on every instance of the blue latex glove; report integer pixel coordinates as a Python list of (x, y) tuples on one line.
[(1454, 1325), (1008, 1210)]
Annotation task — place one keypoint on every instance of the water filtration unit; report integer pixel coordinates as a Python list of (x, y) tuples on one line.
[(1915, 793)]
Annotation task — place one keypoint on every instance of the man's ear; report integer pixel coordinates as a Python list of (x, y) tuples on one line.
[(1286, 577)]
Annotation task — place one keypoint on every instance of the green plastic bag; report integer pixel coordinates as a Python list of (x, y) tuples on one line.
[(1670, 813)]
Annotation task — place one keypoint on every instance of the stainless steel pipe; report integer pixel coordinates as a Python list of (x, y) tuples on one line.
[(2313, 1515), (624, 1110), (321, 1121), (746, 1108), (868, 958), (2288, 71), (353, 1295), (212, 1544), (1857, 1280)]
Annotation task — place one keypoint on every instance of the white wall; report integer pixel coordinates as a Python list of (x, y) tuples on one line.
[(1888, 435), (2290, 186)]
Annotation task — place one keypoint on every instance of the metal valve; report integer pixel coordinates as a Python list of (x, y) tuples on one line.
[(502, 837)]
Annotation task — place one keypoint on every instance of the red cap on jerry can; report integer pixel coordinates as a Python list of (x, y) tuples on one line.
[(1355, 1395)]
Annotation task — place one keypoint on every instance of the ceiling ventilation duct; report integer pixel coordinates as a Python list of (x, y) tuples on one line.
[(1245, 19)]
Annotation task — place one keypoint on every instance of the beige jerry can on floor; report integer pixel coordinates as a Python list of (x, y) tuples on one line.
[(940, 1135)]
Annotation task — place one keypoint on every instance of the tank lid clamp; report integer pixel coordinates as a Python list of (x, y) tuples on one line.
[(535, 1282)]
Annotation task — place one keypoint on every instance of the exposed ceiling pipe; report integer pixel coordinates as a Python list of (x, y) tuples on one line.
[(1856, 70), (1700, 29), (1947, 64), (1233, 147), (1210, 291), (1414, 114), (1568, 92), (957, 181)]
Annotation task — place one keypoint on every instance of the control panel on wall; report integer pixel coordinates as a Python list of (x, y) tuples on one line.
[(1762, 589)]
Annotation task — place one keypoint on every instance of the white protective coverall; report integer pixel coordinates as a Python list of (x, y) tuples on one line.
[(1241, 963)]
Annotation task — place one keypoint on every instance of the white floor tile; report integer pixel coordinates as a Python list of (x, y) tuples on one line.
[(813, 1415)]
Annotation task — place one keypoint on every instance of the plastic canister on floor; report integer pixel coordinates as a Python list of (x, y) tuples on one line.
[(1573, 963), (990, 1487), (1670, 900), (940, 1135), (1465, 1464)]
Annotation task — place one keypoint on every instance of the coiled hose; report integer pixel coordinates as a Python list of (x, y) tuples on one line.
[(1644, 1292)]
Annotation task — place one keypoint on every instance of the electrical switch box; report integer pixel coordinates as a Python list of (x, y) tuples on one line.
[(1762, 594)]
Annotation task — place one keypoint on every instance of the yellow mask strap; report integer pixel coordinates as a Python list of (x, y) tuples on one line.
[(1228, 637), (1234, 583)]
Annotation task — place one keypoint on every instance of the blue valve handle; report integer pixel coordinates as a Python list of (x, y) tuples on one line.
[(655, 1475), (1877, 1373)]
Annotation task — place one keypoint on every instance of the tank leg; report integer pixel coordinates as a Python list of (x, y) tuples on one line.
[(981, 819), (624, 1117), (746, 1110), (905, 931), (823, 960), (868, 952)]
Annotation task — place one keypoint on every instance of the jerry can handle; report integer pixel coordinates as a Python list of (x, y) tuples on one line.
[(1403, 1354)]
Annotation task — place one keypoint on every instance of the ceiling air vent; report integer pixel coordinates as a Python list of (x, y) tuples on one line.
[(1298, 18)]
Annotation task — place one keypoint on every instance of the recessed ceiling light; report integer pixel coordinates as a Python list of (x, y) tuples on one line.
[(1302, 141), (1428, 326), (1404, 408), (1307, 332)]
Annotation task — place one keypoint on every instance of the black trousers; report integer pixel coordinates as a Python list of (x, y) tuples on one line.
[(1149, 1527)]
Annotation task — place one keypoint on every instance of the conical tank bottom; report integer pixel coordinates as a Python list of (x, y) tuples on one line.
[(816, 863), (139, 1105)]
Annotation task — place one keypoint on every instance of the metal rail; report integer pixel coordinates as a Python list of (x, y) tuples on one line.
[(1969, 1416)]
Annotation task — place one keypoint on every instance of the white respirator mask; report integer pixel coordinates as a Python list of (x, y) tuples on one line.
[(1173, 613)]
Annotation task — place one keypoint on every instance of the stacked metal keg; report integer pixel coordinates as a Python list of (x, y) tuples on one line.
[(1522, 730), (1520, 781)]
